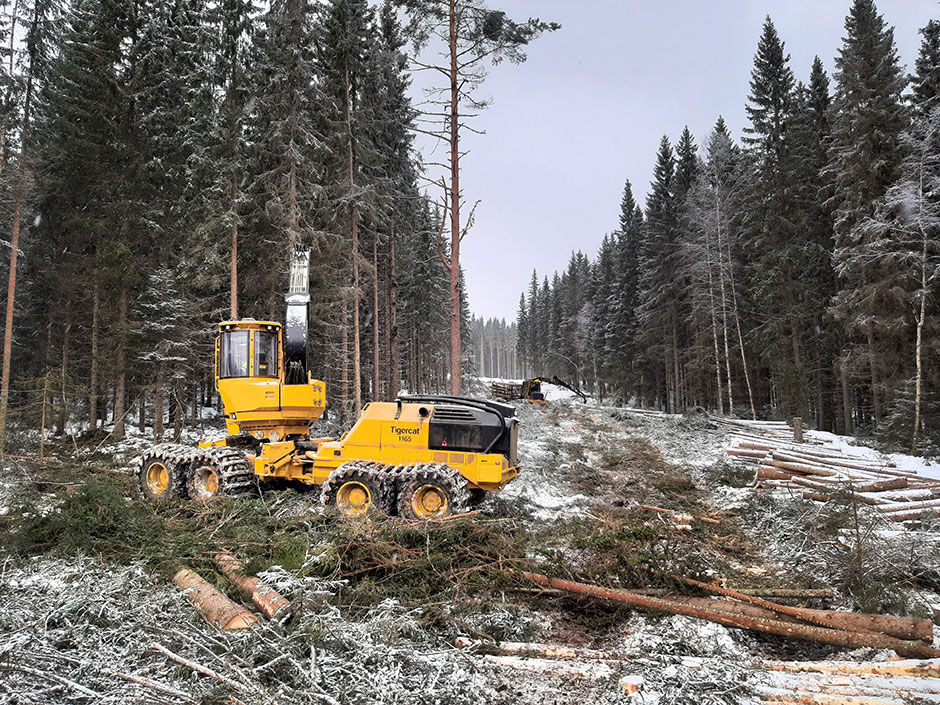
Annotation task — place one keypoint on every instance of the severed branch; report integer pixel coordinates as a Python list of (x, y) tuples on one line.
[(147, 683), (199, 668)]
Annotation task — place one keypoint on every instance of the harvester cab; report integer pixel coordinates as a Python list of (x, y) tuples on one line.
[(418, 456)]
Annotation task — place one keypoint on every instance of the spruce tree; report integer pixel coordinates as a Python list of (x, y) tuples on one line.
[(926, 79), (658, 280), (864, 160)]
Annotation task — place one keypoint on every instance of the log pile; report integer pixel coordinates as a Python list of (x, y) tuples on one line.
[(871, 683), (506, 390), (824, 474)]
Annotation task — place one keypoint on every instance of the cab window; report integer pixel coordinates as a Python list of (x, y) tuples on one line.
[(265, 354), (234, 354)]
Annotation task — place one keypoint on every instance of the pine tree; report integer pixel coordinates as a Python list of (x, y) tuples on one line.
[(813, 253), (621, 346), (473, 35), (234, 24)]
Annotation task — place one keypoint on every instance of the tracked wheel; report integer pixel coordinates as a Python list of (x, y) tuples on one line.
[(355, 489), (433, 492), (219, 471), (161, 472)]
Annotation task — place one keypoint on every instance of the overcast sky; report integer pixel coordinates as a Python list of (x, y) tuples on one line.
[(587, 110)]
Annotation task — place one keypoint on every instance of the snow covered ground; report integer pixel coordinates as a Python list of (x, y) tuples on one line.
[(64, 617)]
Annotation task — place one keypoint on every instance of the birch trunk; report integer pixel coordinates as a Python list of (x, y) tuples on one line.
[(62, 418)]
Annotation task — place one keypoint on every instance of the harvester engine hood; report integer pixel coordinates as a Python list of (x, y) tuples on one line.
[(470, 425)]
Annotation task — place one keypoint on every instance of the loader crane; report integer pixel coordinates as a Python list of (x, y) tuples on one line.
[(419, 456)]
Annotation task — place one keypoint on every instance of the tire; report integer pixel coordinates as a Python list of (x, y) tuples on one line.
[(219, 471), (355, 489), (434, 492), (161, 473)]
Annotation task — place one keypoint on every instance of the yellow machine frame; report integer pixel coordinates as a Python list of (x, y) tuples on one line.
[(388, 432), (267, 408)]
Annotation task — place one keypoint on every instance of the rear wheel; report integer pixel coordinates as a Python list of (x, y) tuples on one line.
[(219, 471), (433, 493)]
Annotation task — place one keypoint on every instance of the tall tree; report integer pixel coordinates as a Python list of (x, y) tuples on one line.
[(471, 35), (865, 158), (41, 18)]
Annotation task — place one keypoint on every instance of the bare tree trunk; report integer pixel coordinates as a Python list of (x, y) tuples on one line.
[(158, 407), (724, 324), (344, 346), (120, 390), (394, 373), (455, 366), (354, 231), (714, 323), (62, 418), (142, 411), (233, 290), (375, 320), (675, 360), (93, 376), (846, 406), (875, 397), (178, 413)]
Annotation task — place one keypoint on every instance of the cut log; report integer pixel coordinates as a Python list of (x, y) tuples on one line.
[(565, 669), (213, 605), (900, 627), (908, 516), (551, 651), (908, 506), (821, 635), (917, 668), (897, 483), (800, 613), (271, 603), (842, 489), (907, 495), (783, 695), (803, 469), (766, 473)]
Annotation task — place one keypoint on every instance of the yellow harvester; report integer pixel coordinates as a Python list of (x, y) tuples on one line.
[(418, 456)]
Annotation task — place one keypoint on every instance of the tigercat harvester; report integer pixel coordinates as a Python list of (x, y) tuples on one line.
[(417, 456)]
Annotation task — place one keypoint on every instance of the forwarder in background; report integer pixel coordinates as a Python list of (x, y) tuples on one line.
[(530, 389), (419, 456)]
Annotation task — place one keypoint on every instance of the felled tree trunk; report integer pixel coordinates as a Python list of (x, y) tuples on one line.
[(214, 606), (804, 632), (268, 600)]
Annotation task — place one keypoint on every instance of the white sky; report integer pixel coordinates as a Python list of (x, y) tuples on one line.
[(587, 110)]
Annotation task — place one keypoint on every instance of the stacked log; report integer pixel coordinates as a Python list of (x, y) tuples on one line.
[(872, 683), (506, 390), (825, 474)]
